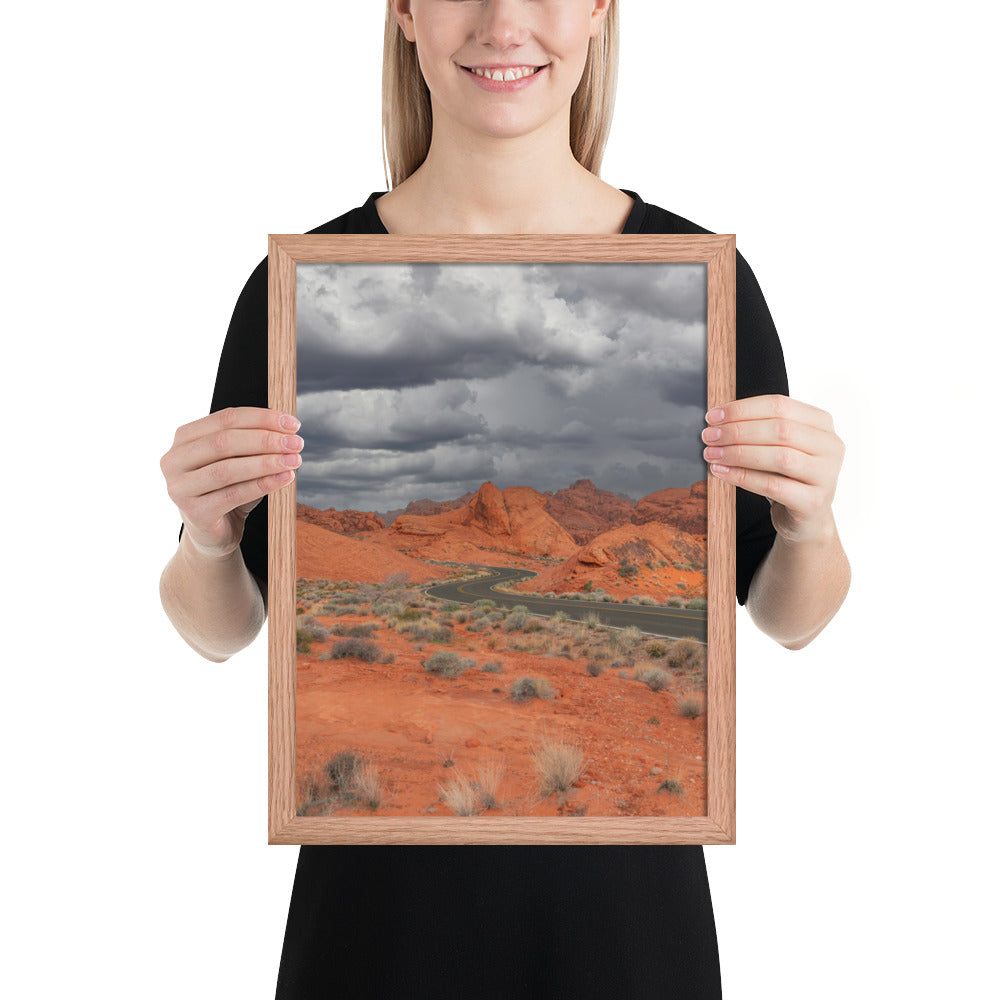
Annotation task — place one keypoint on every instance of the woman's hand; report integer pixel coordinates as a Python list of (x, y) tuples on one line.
[(781, 449), (221, 466)]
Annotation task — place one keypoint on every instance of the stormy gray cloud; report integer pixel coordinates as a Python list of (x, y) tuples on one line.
[(423, 380)]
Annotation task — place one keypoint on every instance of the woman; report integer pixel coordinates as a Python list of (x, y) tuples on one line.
[(496, 113)]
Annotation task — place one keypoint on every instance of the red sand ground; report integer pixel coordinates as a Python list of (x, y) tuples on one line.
[(408, 722)]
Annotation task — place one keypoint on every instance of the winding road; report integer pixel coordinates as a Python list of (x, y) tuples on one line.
[(671, 623)]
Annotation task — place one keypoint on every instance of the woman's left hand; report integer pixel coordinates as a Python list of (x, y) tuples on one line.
[(784, 450)]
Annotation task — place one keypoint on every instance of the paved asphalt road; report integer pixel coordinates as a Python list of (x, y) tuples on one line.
[(672, 623)]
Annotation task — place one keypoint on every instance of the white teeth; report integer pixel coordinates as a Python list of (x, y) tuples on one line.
[(514, 73)]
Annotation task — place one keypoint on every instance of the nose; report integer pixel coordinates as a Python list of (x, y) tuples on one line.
[(504, 23)]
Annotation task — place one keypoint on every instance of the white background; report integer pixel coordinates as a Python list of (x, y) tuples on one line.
[(151, 148)]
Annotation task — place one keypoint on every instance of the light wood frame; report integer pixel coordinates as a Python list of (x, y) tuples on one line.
[(719, 825)]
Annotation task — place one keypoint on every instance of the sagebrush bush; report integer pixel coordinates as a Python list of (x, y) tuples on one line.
[(447, 663), (691, 708), (355, 631), (492, 666), (342, 770), (594, 668), (685, 653), (656, 650), (656, 678), (363, 649), (558, 766), (531, 687), (697, 604)]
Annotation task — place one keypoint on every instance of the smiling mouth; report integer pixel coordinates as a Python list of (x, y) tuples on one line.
[(504, 74)]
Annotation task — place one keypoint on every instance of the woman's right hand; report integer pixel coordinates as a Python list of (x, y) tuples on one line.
[(221, 466)]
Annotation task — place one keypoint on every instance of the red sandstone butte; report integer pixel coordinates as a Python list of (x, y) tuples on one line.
[(640, 545), (686, 509), (585, 511), (512, 521), (346, 522)]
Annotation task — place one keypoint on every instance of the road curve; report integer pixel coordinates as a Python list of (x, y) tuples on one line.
[(671, 623)]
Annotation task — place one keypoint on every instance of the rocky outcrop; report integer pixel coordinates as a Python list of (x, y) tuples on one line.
[(510, 520), (585, 511), (686, 509), (346, 522)]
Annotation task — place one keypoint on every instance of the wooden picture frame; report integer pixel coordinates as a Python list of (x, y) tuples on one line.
[(572, 824)]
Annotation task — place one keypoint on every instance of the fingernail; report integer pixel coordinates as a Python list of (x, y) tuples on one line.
[(720, 470), (292, 442), (715, 415), (294, 460), (711, 453), (289, 423), (711, 434)]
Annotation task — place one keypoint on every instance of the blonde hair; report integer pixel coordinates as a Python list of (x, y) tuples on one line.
[(406, 101)]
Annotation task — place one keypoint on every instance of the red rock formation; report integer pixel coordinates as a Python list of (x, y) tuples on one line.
[(346, 522), (510, 520), (657, 551), (585, 511), (321, 554), (686, 509)]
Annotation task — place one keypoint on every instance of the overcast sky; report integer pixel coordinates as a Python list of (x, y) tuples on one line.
[(424, 380)]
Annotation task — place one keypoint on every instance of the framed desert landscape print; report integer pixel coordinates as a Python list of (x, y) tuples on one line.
[(501, 587)]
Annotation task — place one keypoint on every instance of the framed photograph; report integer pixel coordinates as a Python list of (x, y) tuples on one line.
[(501, 588)]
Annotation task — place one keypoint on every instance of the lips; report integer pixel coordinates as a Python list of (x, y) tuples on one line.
[(487, 83)]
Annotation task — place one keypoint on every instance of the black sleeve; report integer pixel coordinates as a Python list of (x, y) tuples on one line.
[(242, 381), (760, 370)]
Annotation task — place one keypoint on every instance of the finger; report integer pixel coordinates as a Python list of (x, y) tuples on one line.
[(225, 444), (222, 475), (212, 507), (772, 406), (780, 489), (788, 462), (782, 433), (237, 417)]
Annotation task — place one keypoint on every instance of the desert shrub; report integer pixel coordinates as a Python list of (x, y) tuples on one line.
[(627, 638), (630, 662), (674, 602), (452, 606), (477, 626), (592, 619), (654, 678), (362, 649), (387, 609), (355, 631), (447, 663), (558, 766), (645, 599), (656, 650), (350, 599), (671, 785), (496, 616), (411, 614), (697, 604), (588, 586), (492, 666), (515, 620), (442, 635), (685, 653), (594, 668), (559, 617), (531, 687), (628, 570), (303, 644), (484, 603), (342, 769), (462, 617), (691, 708)]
